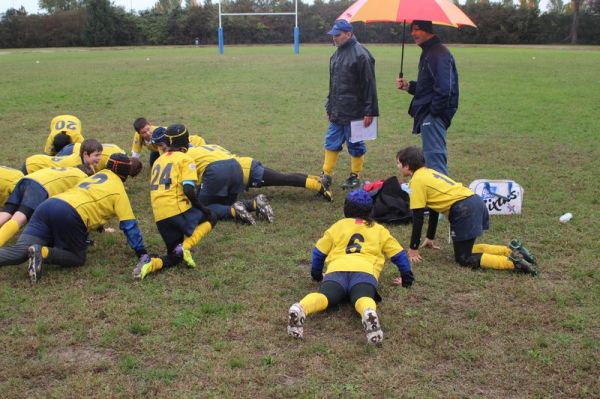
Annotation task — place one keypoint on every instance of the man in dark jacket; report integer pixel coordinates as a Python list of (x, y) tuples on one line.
[(352, 96), (435, 94)]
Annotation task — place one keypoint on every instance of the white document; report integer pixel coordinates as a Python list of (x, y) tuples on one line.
[(358, 131)]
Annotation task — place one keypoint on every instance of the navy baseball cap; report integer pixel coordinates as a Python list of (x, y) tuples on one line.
[(339, 26)]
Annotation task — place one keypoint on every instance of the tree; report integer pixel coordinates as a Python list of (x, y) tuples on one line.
[(556, 6), (54, 6), (575, 23), (100, 23)]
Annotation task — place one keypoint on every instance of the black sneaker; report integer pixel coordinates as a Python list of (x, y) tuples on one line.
[(35, 263), (351, 182)]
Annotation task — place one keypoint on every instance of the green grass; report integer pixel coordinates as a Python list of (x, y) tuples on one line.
[(529, 114)]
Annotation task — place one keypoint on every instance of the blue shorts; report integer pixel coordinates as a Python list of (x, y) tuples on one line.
[(26, 197), (257, 171), (338, 134), (59, 225), (174, 229), (222, 179), (469, 218), (349, 279)]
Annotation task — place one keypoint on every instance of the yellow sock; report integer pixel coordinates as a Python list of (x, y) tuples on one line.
[(496, 262), (8, 230), (357, 164), (313, 303), (156, 265), (363, 303), (312, 184), (331, 158), (45, 252), (199, 232), (491, 249)]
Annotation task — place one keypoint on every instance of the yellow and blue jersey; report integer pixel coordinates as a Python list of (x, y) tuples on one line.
[(139, 143), (57, 180), (37, 162), (206, 154), (98, 198), (107, 151), (169, 172), (69, 124), (8, 180), (432, 189), (352, 246)]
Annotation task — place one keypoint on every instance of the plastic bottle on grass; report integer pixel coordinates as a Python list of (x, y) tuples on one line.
[(566, 217)]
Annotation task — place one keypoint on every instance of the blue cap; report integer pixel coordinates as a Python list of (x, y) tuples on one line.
[(360, 197), (159, 135), (339, 26)]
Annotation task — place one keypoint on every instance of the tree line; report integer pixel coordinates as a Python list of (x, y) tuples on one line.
[(100, 23)]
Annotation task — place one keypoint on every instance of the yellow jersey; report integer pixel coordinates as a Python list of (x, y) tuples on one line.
[(430, 188), (36, 162), (8, 180), (57, 180), (69, 124), (139, 143), (169, 172), (352, 246), (98, 198), (107, 151), (204, 155), (196, 141)]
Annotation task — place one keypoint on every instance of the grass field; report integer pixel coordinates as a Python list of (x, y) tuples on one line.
[(529, 114)]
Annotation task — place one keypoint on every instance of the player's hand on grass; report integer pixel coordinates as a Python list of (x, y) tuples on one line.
[(317, 276), (406, 279), (429, 244), (414, 256)]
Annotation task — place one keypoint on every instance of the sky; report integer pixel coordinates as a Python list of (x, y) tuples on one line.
[(138, 5)]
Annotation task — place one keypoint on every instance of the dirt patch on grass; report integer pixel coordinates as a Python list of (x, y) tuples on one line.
[(83, 358)]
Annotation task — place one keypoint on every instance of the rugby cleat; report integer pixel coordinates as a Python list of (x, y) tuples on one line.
[(35, 263), (351, 182), (241, 213), (521, 265), (516, 245), (143, 267), (326, 180), (296, 319), (263, 208), (186, 255), (372, 327)]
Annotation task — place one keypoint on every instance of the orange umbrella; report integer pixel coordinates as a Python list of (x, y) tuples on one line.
[(439, 12)]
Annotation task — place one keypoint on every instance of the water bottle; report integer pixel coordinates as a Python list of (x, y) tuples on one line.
[(566, 217)]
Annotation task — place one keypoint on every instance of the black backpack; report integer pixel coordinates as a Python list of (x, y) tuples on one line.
[(391, 203)]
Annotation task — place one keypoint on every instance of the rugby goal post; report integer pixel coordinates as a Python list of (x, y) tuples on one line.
[(237, 14)]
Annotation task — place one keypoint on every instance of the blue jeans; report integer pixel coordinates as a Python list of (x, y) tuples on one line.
[(337, 134), (433, 136)]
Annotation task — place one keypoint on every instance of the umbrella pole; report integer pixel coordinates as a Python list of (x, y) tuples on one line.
[(401, 74)]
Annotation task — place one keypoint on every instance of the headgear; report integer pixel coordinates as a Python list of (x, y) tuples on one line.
[(177, 136), (120, 164)]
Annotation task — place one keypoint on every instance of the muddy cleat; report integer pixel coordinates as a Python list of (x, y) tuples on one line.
[(241, 213), (351, 182), (143, 267), (186, 255), (521, 265), (296, 319), (323, 192), (263, 208), (516, 245), (35, 263), (326, 181), (372, 327)]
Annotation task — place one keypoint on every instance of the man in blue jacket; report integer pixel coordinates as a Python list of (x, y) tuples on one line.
[(435, 95), (352, 96)]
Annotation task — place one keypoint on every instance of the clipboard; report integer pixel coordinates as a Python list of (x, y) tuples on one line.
[(358, 132)]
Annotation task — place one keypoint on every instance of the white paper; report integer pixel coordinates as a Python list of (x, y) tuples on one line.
[(358, 131)]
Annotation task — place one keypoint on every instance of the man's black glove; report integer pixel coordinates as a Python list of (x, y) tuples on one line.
[(317, 276), (407, 278)]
